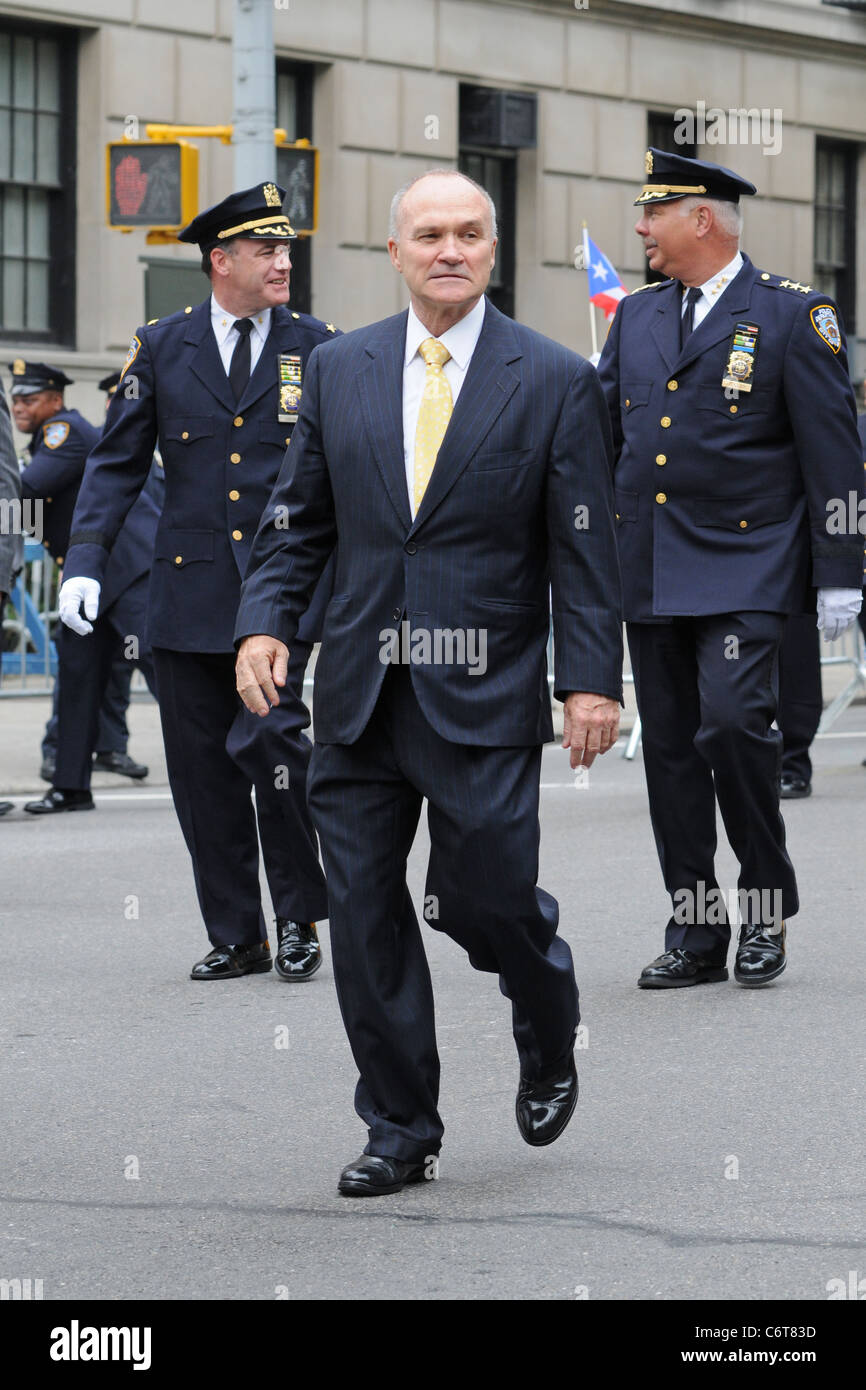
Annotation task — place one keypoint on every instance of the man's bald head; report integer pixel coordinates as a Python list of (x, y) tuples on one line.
[(420, 185)]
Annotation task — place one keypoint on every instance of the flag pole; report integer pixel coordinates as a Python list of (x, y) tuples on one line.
[(592, 327)]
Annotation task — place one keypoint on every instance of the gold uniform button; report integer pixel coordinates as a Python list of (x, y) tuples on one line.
[(661, 459), (734, 409), (234, 495), (765, 276), (237, 535), (617, 516), (185, 434), (289, 440), (744, 524), (661, 497), (672, 385), (188, 309), (60, 559), (665, 422), (238, 421), (235, 458), (178, 559), (627, 401)]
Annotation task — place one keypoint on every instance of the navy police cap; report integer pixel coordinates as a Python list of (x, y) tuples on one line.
[(256, 213), (109, 383), (30, 377), (673, 176)]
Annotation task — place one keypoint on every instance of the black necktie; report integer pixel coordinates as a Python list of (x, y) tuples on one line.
[(687, 320), (239, 368)]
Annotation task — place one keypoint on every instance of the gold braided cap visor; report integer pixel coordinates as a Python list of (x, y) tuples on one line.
[(653, 191), (262, 226)]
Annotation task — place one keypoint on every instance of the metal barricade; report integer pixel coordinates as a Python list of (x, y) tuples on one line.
[(29, 667)]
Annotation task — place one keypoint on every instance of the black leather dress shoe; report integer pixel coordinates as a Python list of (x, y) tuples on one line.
[(678, 968), (794, 787), (544, 1108), (761, 956), (121, 763), (299, 954), (57, 800), (227, 962), (6, 806), (375, 1175), (47, 770)]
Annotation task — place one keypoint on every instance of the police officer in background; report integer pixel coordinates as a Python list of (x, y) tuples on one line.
[(219, 386), (734, 428), (60, 443), (10, 493), (112, 737)]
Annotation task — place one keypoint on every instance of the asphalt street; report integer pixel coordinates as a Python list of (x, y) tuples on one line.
[(175, 1140)]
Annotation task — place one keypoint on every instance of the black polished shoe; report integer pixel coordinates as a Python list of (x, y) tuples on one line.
[(299, 954), (761, 956), (57, 800), (375, 1175), (677, 968), (6, 806), (227, 962), (544, 1108), (121, 763), (794, 787), (48, 769)]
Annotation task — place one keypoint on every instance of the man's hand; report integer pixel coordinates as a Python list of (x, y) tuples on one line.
[(837, 609), (73, 593), (591, 727), (262, 665)]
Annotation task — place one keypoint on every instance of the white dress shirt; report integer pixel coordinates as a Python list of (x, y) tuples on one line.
[(460, 342), (223, 324), (714, 288)]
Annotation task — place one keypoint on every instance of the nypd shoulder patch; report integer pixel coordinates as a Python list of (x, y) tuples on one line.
[(130, 356), (56, 433), (826, 325)]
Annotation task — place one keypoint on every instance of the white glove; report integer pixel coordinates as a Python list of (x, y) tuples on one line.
[(74, 593), (837, 609)]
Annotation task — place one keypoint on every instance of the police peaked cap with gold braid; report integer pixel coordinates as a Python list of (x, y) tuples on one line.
[(30, 377), (673, 176), (255, 213)]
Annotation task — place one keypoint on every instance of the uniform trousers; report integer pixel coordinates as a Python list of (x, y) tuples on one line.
[(84, 666), (216, 752), (800, 698), (112, 735), (707, 691), (481, 891)]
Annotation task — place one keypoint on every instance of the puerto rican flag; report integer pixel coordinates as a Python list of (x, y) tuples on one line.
[(605, 287)]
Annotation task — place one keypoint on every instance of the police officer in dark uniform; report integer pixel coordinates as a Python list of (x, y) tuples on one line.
[(10, 495), (61, 441), (734, 429), (112, 738), (219, 386)]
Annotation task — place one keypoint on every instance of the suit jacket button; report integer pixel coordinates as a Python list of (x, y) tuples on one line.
[(661, 497), (238, 421), (235, 458), (237, 535), (411, 548)]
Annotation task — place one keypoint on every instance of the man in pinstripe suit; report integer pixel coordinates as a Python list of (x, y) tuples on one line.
[(462, 465)]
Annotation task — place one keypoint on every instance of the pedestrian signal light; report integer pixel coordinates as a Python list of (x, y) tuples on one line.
[(151, 184)]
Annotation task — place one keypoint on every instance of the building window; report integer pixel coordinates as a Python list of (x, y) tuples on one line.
[(835, 200), (295, 115), (497, 172), (37, 184)]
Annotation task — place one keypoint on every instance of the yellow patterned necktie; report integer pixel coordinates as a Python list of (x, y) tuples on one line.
[(436, 407)]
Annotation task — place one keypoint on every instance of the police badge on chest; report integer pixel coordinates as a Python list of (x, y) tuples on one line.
[(289, 382), (742, 355)]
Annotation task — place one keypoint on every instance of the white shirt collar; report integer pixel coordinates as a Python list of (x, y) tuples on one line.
[(459, 340), (223, 322), (712, 288)]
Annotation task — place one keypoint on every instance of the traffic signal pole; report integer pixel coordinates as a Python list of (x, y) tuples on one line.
[(254, 92)]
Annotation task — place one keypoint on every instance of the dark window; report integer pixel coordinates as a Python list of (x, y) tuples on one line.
[(662, 129), (37, 184), (295, 115), (835, 199)]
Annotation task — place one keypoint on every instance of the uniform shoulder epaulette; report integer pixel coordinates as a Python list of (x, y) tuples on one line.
[(652, 285), (324, 328), (783, 282)]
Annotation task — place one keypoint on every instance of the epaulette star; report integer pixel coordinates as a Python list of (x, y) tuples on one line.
[(294, 315), (150, 321), (793, 285), (330, 327)]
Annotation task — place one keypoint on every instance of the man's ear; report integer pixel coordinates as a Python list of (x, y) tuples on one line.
[(394, 253)]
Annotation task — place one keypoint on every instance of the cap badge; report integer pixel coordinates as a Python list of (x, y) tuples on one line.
[(648, 162), (271, 195), (18, 367)]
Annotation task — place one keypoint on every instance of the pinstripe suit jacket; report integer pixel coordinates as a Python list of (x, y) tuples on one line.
[(519, 503)]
